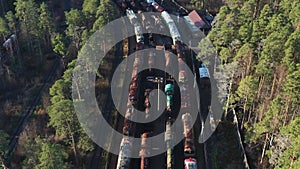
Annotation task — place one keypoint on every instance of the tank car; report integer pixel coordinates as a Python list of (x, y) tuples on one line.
[(168, 139), (144, 151), (172, 27), (124, 153), (185, 97)]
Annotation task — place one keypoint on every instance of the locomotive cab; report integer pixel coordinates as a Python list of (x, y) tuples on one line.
[(203, 71), (169, 89), (190, 163)]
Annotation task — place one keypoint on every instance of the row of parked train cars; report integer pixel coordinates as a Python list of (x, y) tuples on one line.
[(190, 161), (129, 126), (189, 149)]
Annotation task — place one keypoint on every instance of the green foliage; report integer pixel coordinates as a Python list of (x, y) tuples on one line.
[(32, 149), (105, 13), (63, 117), (292, 49), (34, 28), (52, 156), (225, 54), (85, 36), (265, 41), (84, 142), (234, 3), (197, 4), (4, 141), (292, 130), (294, 14), (273, 118), (259, 25), (58, 44), (45, 20), (207, 49), (247, 89), (27, 13), (224, 11), (76, 22), (45, 24), (247, 11), (89, 7), (273, 50), (75, 17), (11, 21), (3, 27), (291, 86), (42, 154), (62, 113), (245, 51), (285, 6), (291, 156), (245, 32)]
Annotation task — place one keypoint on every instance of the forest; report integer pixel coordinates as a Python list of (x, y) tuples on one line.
[(260, 39), (263, 38)]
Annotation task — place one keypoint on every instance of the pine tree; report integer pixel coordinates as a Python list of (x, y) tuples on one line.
[(225, 55), (3, 29), (263, 37), (245, 57), (291, 86), (273, 118), (246, 93), (42, 154), (32, 149), (294, 14), (59, 46), (63, 116), (89, 8), (292, 49), (27, 13), (46, 25), (105, 13), (76, 22), (234, 3), (273, 50), (246, 13), (291, 156), (260, 24), (11, 21), (245, 32), (52, 156), (246, 17)]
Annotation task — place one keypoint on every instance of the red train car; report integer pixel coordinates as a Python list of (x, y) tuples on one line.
[(182, 71), (189, 147)]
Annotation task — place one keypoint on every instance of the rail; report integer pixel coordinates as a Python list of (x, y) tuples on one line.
[(27, 114)]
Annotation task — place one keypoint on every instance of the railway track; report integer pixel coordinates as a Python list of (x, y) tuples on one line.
[(163, 123), (96, 161), (27, 114), (204, 149), (98, 153), (112, 159)]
